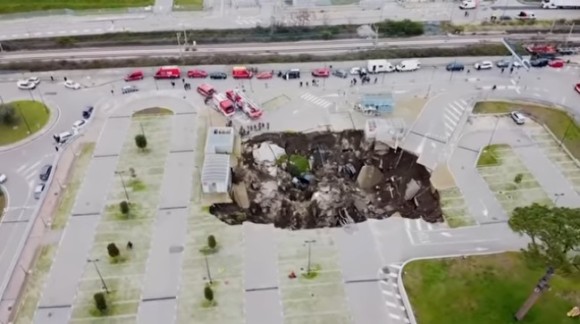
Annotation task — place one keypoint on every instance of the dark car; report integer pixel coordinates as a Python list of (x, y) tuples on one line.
[(290, 74), (129, 89), (340, 73), (218, 76), (45, 172), (88, 112), (566, 51), (539, 62), (455, 66)]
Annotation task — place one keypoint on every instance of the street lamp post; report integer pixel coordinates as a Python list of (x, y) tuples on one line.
[(207, 270), (309, 243), (94, 262), (120, 174)]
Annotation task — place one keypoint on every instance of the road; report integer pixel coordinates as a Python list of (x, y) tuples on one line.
[(412, 238), (231, 15), (294, 48)]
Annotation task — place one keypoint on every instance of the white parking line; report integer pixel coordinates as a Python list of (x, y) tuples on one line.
[(397, 317), (453, 122), (391, 304)]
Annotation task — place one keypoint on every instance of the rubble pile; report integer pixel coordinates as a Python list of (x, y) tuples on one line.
[(324, 179)]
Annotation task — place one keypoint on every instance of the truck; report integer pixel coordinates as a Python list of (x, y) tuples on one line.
[(241, 72), (379, 66), (561, 4), (222, 104), (168, 72), (242, 102)]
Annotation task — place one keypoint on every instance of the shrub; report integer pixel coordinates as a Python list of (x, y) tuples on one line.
[(124, 207), (518, 178), (100, 301), (211, 242), (141, 141), (8, 115), (113, 250), (208, 293)]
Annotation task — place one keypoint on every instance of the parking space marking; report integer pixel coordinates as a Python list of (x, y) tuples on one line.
[(316, 100)]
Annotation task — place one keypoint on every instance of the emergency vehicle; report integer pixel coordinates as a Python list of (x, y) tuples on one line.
[(241, 101), (223, 104), (168, 72), (241, 72)]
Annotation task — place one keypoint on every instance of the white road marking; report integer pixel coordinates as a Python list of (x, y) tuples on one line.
[(394, 275), (395, 266), (453, 122), (395, 316), (446, 234), (391, 304)]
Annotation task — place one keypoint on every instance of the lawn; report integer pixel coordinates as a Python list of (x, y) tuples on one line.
[(558, 121), (486, 289), (490, 156), (189, 4), (30, 114), (11, 6)]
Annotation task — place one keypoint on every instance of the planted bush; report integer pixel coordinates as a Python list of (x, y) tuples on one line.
[(113, 250), (124, 207), (100, 302)]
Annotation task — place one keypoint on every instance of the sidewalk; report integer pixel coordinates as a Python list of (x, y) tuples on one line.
[(41, 228)]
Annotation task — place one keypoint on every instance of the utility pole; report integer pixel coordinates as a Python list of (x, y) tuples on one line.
[(94, 262), (142, 129), (540, 288), (178, 34), (565, 44), (207, 270), (309, 243), (120, 174)]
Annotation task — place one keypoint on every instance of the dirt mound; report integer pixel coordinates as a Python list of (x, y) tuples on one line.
[(318, 183)]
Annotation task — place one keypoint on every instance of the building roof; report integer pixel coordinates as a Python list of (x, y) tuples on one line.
[(216, 168), (222, 137)]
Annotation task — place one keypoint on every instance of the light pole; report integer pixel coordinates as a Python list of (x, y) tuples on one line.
[(541, 287), (120, 174), (94, 262), (24, 119), (493, 132), (207, 270), (142, 129), (309, 243), (557, 197)]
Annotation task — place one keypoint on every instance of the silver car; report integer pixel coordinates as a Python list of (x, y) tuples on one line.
[(518, 117), (38, 190)]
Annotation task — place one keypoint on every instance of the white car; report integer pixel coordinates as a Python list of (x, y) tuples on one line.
[(3, 178), (485, 65), (25, 85), (70, 84), (78, 125), (358, 70), (518, 117), (38, 190), (33, 79)]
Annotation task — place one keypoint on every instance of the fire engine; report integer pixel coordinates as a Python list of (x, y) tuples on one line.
[(241, 101), (223, 104)]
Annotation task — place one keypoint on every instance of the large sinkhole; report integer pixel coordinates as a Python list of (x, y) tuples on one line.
[(325, 179)]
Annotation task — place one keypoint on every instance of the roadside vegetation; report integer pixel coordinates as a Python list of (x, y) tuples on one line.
[(20, 119), (491, 288), (188, 4), (10, 6), (490, 155), (558, 121)]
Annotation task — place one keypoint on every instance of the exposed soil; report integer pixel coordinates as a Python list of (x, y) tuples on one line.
[(329, 194)]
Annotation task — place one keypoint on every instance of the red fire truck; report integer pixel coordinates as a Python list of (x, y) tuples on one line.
[(241, 101), (223, 104), (168, 72)]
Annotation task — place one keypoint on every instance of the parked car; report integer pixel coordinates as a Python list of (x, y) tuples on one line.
[(88, 112), (504, 64), (70, 84), (518, 117), (566, 51), (577, 87), (79, 124), (34, 79), (557, 63), (129, 89), (455, 66), (134, 76), (38, 190), (321, 73), (196, 74), (539, 62), (25, 85), (45, 172), (62, 137), (340, 73), (484, 65), (358, 71), (3, 178), (218, 76), (265, 75), (526, 15), (290, 74)]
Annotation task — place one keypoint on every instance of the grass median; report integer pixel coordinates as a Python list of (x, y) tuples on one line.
[(490, 155), (486, 289), (28, 118), (11, 6), (560, 123)]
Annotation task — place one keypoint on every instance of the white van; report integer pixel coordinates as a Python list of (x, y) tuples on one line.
[(379, 66), (62, 137), (468, 4), (409, 65)]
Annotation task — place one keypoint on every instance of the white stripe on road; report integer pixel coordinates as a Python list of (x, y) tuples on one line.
[(463, 102), (418, 225), (394, 275), (396, 266), (30, 168), (391, 304), (395, 316), (457, 109), (453, 122)]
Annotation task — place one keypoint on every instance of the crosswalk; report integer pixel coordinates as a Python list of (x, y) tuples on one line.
[(419, 225), (248, 21), (452, 115), (316, 100), (30, 172), (390, 290)]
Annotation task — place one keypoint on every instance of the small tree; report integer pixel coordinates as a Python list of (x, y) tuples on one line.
[(211, 242), (8, 115), (141, 141), (518, 178), (208, 293), (113, 250), (124, 207), (100, 301)]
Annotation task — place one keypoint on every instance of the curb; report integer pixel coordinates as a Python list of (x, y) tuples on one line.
[(51, 122), (403, 292)]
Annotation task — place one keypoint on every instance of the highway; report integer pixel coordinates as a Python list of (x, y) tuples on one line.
[(303, 47)]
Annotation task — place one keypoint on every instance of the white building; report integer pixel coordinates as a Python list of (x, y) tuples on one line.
[(220, 140), (216, 176)]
